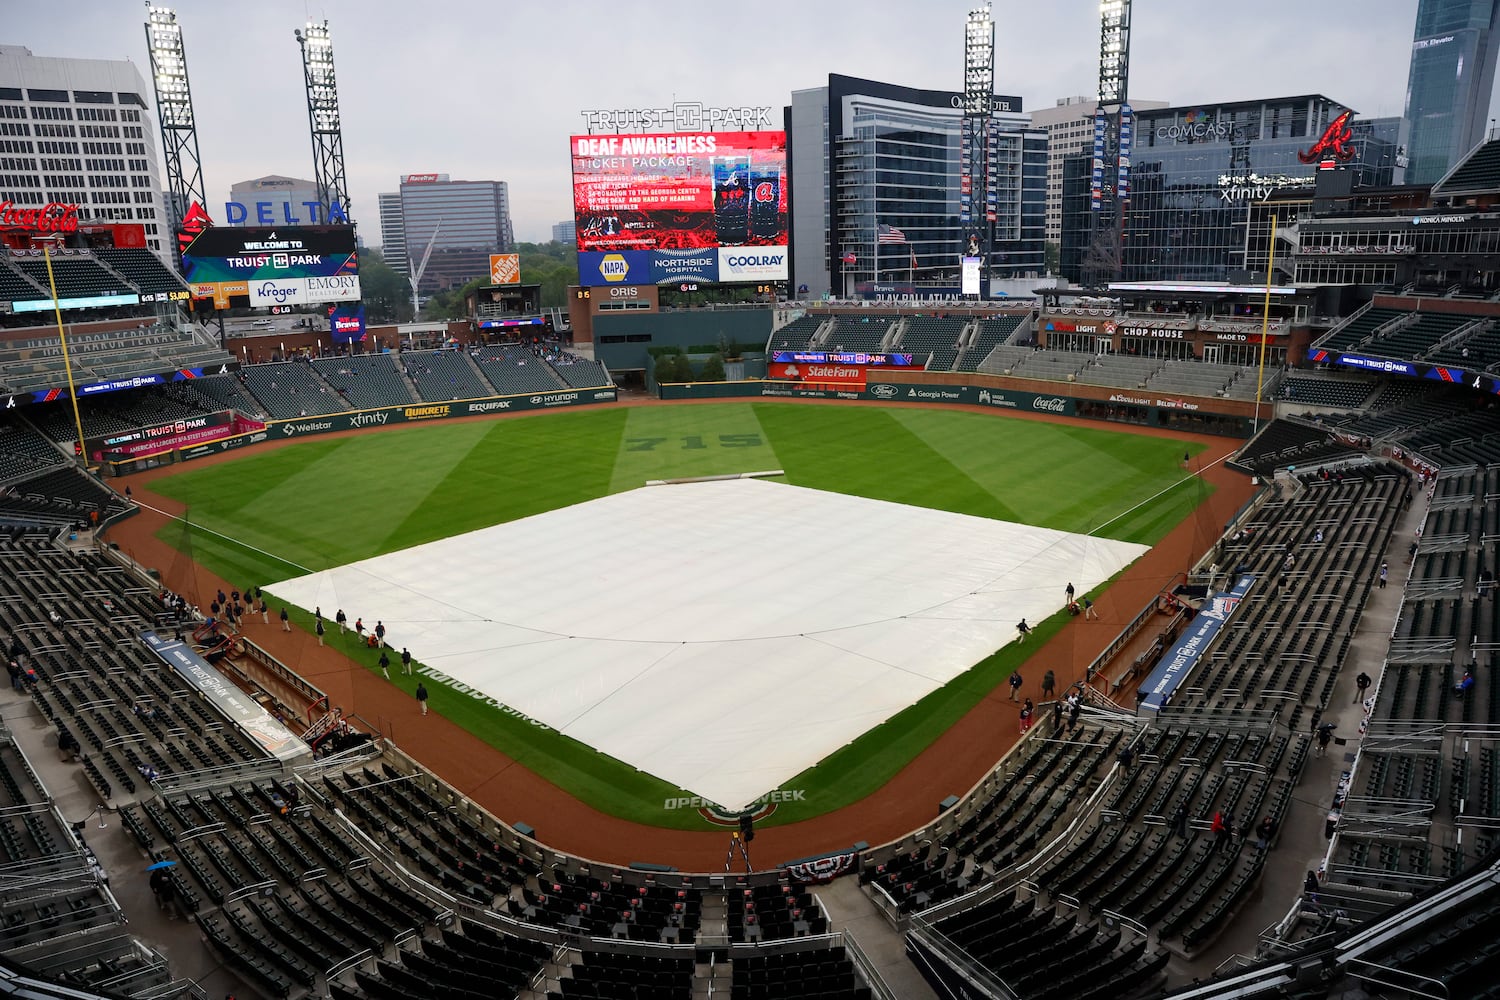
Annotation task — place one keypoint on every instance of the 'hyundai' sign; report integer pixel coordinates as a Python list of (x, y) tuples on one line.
[(277, 292)]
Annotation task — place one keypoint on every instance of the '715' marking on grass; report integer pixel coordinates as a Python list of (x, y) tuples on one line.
[(693, 442)]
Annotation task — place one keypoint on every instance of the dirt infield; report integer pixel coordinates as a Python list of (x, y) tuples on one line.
[(951, 765)]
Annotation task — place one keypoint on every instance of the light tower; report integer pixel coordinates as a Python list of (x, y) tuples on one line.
[(323, 120), (976, 212), (174, 110), (1114, 139)]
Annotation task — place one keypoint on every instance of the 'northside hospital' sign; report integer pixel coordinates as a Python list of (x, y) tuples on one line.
[(1184, 656)]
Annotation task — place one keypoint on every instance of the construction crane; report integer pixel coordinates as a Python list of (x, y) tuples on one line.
[(417, 272)]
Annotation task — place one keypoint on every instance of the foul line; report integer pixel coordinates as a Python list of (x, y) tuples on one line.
[(220, 534), (1185, 479)]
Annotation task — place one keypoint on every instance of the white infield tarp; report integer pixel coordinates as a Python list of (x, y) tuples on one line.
[(723, 636)]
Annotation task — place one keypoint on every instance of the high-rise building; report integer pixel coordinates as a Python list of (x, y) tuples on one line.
[(281, 200), (470, 220), (565, 232), (1453, 53), (78, 132), (393, 232), (875, 193), (1205, 181), (1070, 132)]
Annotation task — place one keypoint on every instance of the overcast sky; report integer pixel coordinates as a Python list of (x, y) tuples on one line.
[(491, 90)]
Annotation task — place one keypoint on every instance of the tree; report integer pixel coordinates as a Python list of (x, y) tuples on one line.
[(386, 293), (673, 366), (713, 369)]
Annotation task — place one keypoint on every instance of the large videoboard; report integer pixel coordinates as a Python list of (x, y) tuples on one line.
[(681, 206), (287, 265)]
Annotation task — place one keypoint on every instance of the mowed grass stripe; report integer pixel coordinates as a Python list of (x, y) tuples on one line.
[(517, 468), (971, 463), (867, 452), (684, 441)]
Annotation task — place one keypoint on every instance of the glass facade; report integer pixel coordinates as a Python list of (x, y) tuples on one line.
[(1448, 87), (471, 219), (1197, 175), (892, 159)]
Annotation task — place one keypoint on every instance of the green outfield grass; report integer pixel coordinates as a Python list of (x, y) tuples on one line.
[(323, 503)]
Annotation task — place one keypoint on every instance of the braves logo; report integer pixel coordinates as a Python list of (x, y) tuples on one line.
[(763, 192), (1333, 144)]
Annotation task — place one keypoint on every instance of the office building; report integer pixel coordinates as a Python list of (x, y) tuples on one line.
[(284, 200), (565, 232), (78, 133), (393, 232), (865, 155), (1070, 131), (1203, 178), (464, 221), (1448, 88)]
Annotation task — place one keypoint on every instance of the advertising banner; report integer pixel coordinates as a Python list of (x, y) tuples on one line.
[(162, 437), (850, 378), (231, 253), (618, 267), (669, 267), (336, 288), (753, 264), (680, 191), (970, 280), (346, 324), (278, 292), (55, 393), (843, 358), (386, 416), (505, 269), (1096, 182), (235, 705), (1127, 142), (1179, 661)]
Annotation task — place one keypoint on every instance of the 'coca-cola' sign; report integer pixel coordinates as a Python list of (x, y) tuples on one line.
[(54, 217)]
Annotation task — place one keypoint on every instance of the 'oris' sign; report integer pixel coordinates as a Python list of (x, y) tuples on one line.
[(54, 217)]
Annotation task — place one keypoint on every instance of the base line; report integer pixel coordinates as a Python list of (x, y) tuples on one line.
[(220, 534)]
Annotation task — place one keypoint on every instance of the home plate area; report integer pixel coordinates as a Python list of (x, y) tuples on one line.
[(723, 636)]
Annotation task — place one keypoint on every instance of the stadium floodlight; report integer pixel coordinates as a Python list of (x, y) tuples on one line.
[(1114, 51), (979, 63), (978, 104), (174, 112), (324, 121)]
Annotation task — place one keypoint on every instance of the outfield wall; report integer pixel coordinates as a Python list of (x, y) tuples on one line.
[(354, 420), (1225, 417)]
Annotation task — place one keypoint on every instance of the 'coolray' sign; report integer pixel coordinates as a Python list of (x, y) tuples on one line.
[(753, 264)]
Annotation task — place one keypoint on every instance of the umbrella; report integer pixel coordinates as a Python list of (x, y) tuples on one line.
[(161, 864)]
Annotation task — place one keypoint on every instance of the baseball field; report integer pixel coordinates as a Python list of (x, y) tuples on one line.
[(324, 503)]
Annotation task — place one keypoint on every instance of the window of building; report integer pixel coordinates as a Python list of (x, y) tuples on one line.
[(50, 96)]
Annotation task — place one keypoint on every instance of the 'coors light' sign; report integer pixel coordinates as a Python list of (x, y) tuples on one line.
[(54, 217)]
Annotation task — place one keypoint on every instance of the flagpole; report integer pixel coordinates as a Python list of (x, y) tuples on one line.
[(62, 340)]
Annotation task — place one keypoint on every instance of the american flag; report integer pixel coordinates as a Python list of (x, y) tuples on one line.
[(849, 257), (889, 234)]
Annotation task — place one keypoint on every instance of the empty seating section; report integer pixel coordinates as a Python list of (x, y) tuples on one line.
[(444, 375), (1415, 339), (1478, 171), (290, 389), (76, 277), (624, 977), (931, 335), (1355, 330), (16, 287), (797, 334), (1196, 378), (217, 392), (1481, 349), (862, 332), (817, 974), (771, 912), (62, 497), (513, 370), (1344, 393), (142, 268), (1019, 941), (1289, 442), (24, 452), (365, 381), (992, 333), (580, 373), (1121, 371)]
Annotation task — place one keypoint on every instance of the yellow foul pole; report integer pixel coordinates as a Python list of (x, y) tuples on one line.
[(63, 339), (1265, 321)]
